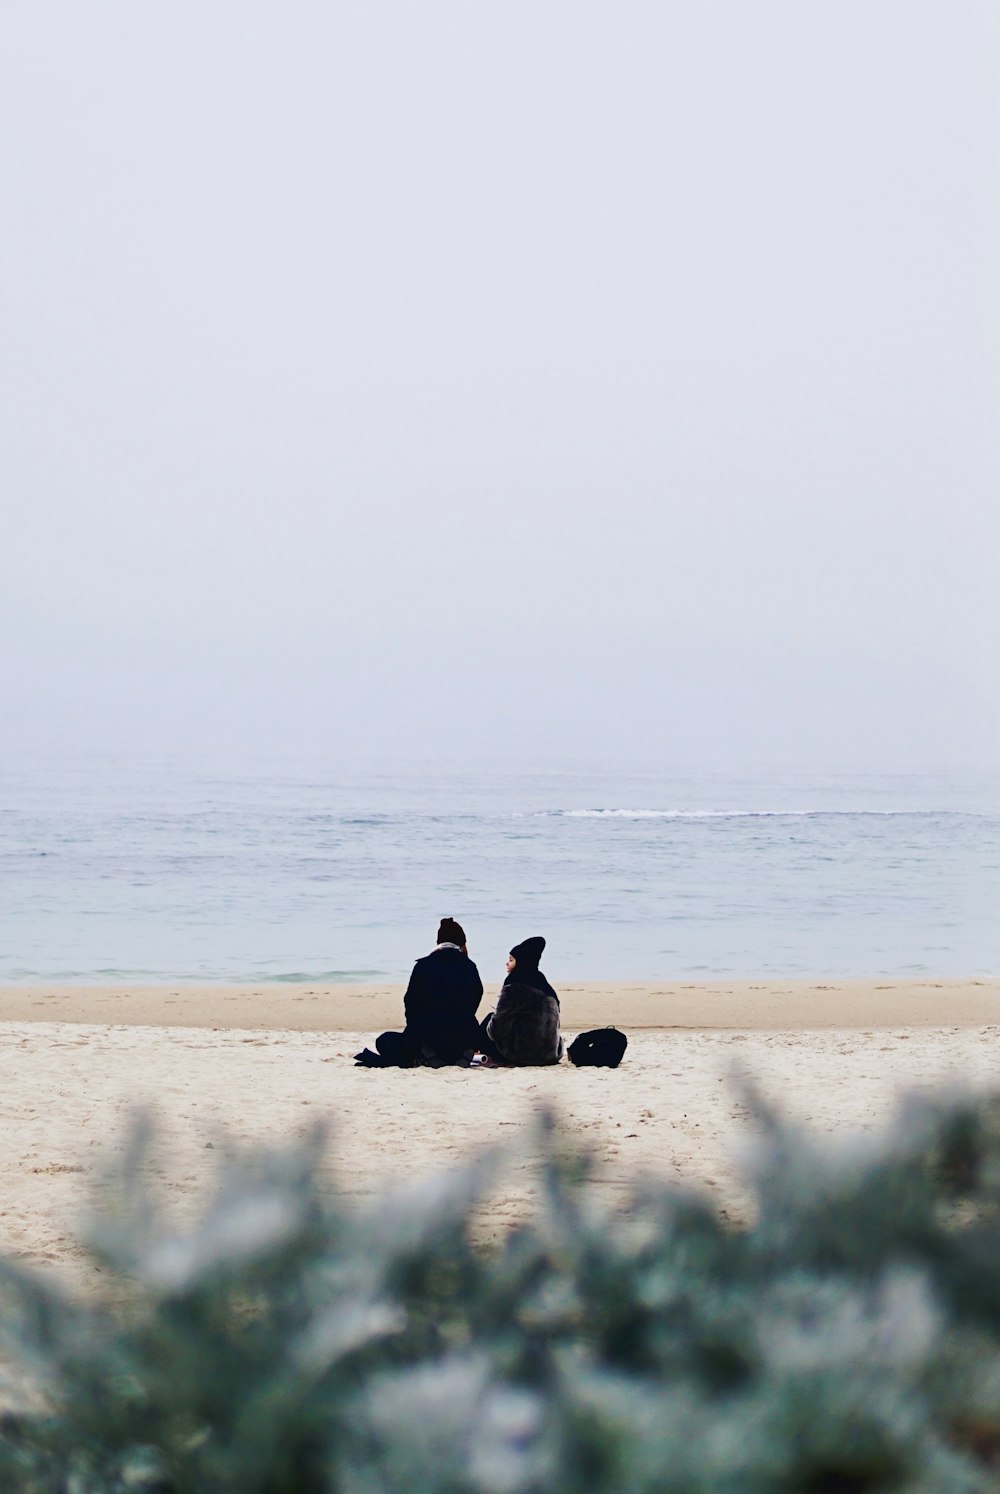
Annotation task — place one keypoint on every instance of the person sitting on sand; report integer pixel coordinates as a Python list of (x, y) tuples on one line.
[(440, 1009), (524, 1029)]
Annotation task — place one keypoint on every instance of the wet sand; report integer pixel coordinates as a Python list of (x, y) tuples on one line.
[(772, 1005)]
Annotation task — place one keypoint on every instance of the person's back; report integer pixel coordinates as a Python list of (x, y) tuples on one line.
[(524, 1029), (442, 997)]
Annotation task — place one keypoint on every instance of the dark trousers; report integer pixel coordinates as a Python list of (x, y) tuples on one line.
[(487, 1046), (403, 1050), (397, 1049)]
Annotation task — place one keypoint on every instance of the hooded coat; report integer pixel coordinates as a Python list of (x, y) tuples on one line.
[(525, 1025)]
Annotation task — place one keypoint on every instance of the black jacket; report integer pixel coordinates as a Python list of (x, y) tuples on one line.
[(441, 1001), (525, 1025)]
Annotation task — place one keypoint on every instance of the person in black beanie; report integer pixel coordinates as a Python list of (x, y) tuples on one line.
[(440, 1009), (524, 1029)]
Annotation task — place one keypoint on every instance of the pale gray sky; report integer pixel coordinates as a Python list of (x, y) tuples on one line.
[(530, 378)]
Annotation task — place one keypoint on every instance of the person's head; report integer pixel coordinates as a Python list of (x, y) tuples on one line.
[(526, 955), (450, 932)]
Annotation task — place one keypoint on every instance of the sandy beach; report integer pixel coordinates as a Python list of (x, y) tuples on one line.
[(262, 1063), (764, 1005)]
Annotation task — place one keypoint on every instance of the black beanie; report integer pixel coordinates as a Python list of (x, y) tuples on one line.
[(451, 932), (528, 953)]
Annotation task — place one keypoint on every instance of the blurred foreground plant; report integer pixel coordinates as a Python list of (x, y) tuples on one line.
[(847, 1343)]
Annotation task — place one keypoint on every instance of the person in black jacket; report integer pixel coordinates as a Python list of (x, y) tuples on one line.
[(440, 1009), (524, 1029)]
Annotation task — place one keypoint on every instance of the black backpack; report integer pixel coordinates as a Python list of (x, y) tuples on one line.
[(602, 1048)]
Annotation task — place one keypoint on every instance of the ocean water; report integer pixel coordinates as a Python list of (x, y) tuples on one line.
[(155, 871)]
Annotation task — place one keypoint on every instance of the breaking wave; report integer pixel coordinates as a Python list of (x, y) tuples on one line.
[(729, 814)]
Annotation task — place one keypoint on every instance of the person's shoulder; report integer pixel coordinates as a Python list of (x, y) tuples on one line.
[(439, 957), (452, 955), (518, 990), (531, 990), (462, 961)]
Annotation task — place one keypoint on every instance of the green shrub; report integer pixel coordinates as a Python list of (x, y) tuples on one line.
[(848, 1342)]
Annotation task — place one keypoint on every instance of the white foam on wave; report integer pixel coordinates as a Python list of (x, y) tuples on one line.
[(715, 814)]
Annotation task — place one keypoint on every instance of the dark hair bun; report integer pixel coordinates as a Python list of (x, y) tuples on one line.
[(450, 932)]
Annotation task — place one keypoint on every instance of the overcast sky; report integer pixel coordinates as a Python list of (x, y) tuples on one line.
[(485, 378)]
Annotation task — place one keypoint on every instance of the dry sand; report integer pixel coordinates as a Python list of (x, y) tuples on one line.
[(263, 1063)]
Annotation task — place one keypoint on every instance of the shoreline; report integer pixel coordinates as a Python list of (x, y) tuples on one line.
[(877, 1002)]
